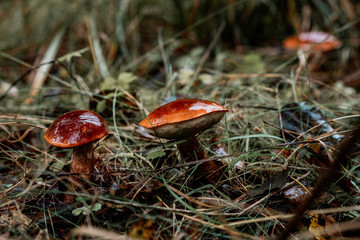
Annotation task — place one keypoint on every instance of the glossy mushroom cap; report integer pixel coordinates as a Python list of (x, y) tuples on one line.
[(76, 128), (183, 118), (305, 40)]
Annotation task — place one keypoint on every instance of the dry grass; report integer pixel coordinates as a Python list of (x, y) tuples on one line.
[(123, 59)]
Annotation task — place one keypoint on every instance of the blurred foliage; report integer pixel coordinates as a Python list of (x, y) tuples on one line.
[(136, 25), (124, 58), (157, 39)]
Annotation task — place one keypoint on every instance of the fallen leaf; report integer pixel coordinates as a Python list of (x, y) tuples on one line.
[(143, 229)]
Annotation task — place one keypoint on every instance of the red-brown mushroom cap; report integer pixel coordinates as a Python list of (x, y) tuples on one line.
[(183, 118), (76, 128), (322, 41)]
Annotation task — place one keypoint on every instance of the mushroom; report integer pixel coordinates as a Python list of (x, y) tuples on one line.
[(183, 119), (317, 41), (78, 130)]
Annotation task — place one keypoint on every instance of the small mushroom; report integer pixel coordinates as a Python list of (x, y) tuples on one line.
[(183, 119), (317, 41), (78, 130)]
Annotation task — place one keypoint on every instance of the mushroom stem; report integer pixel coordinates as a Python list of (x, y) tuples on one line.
[(207, 172), (82, 161)]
